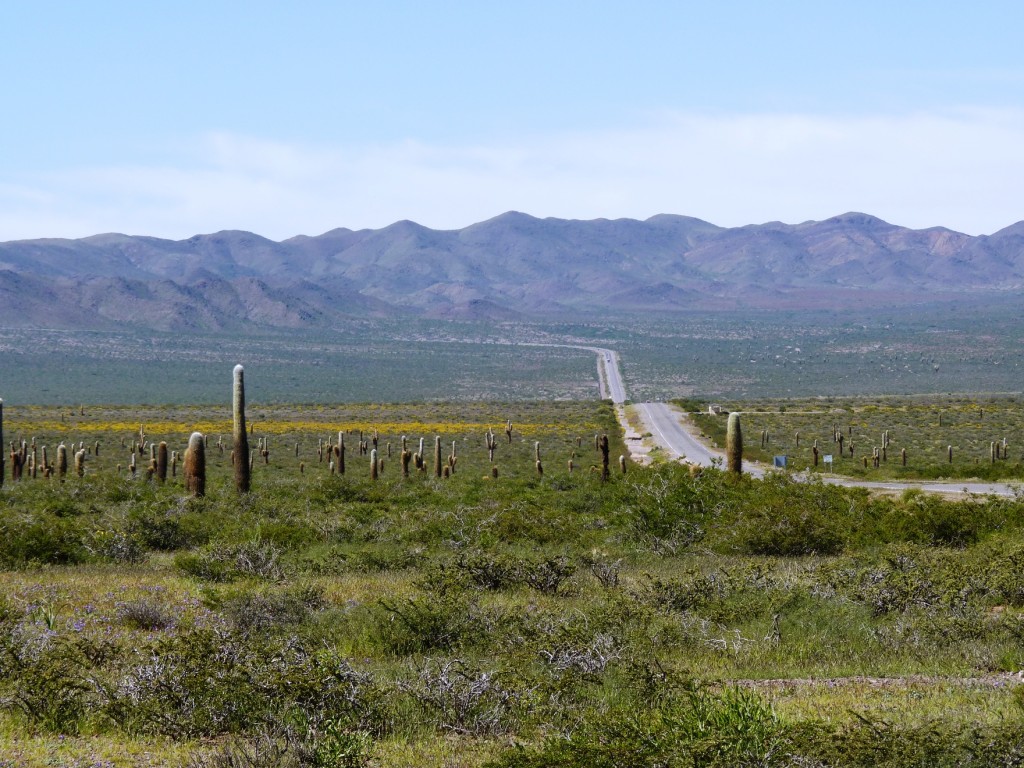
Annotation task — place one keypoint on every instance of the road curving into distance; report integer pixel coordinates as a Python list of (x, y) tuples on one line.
[(667, 428), (609, 372), (675, 435)]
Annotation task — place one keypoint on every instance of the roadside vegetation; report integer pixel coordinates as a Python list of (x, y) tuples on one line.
[(529, 619), (956, 437)]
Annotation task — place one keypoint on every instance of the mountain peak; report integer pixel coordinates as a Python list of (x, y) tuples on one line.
[(857, 219)]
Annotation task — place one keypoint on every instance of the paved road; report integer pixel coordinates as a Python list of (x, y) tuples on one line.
[(665, 424), (608, 361), (609, 375), (668, 429)]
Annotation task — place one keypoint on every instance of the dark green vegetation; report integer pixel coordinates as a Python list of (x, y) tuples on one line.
[(952, 347), (523, 620)]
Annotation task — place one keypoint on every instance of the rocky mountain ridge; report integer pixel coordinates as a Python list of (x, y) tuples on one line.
[(511, 266)]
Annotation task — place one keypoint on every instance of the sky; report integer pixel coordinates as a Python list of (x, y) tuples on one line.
[(172, 119)]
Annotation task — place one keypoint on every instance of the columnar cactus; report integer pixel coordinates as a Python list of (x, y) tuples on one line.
[(603, 444), (195, 464), (62, 461), (508, 431), (161, 462), (373, 464), (15, 463), (437, 456), (489, 438), (734, 444), (622, 464), (241, 441), (341, 453), (80, 462)]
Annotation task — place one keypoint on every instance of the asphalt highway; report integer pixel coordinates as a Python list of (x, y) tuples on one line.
[(666, 425)]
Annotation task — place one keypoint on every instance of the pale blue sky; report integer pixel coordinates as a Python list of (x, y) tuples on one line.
[(173, 119)]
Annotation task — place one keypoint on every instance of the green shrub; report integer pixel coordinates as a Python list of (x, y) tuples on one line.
[(228, 562), (430, 622), (250, 611), (697, 727), (45, 540)]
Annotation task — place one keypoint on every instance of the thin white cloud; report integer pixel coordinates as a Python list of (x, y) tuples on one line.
[(960, 170)]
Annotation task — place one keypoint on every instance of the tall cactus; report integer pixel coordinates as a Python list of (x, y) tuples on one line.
[(437, 456), (241, 440), (374, 467), (734, 444), (195, 465), (161, 462), (62, 461)]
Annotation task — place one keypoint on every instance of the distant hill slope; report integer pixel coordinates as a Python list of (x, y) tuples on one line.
[(510, 266)]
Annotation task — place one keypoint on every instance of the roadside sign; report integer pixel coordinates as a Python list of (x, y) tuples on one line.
[(780, 461)]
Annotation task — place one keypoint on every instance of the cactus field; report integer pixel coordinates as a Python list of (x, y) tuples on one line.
[(482, 584), (983, 434)]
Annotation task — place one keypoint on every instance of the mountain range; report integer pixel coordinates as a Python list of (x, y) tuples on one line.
[(512, 266)]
